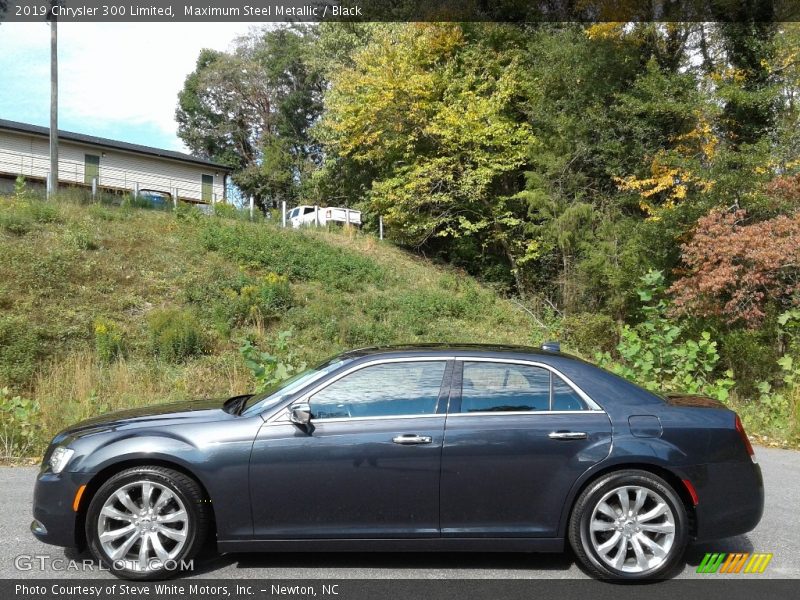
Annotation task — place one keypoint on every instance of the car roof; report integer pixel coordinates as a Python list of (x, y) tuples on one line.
[(468, 349)]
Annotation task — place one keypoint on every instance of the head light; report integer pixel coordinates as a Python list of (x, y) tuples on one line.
[(59, 458)]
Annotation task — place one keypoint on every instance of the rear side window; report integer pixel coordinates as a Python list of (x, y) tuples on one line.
[(384, 390), (504, 387), (564, 397), (509, 387)]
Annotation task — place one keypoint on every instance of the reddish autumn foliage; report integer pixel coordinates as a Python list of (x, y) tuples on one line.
[(786, 189), (735, 269)]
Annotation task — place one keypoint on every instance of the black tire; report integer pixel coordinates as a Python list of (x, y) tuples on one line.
[(184, 488), (580, 536)]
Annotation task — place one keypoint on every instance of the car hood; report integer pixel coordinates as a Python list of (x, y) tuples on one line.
[(158, 414)]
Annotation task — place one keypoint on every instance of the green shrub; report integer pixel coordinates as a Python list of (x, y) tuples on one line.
[(20, 347), (42, 212), (80, 238), (270, 368), (253, 301), (175, 335), (228, 211), (108, 340), (752, 356), (20, 187), (15, 222), (20, 216), (589, 333), (18, 425), (656, 353)]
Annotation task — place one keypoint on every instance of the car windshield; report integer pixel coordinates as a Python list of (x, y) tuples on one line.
[(273, 395)]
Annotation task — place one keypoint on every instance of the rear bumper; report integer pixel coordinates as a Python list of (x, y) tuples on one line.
[(731, 498), (55, 522)]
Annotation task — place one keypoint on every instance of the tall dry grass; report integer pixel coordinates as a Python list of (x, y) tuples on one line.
[(79, 386)]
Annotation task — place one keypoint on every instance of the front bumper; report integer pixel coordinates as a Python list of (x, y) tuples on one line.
[(55, 522)]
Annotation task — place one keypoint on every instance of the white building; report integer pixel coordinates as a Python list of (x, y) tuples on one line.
[(117, 166)]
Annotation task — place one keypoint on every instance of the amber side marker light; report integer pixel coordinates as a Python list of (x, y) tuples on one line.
[(77, 502)]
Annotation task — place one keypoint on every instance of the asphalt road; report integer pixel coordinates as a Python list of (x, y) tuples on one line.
[(778, 532)]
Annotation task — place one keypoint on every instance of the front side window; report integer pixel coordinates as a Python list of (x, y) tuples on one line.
[(383, 390), (509, 387)]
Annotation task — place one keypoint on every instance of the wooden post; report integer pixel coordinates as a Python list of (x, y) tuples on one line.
[(175, 199), (316, 215), (283, 213), (252, 207), (94, 188), (347, 216), (135, 191), (380, 227)]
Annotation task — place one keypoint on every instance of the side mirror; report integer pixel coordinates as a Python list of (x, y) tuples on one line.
[(300, 414)]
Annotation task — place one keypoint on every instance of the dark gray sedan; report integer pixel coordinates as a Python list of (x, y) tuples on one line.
[(457, 448)]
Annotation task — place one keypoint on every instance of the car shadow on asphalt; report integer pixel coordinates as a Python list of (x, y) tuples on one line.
[(209, 563), (407, 561), (696, 552)]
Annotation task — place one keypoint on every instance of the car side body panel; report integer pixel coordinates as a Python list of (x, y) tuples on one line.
[(521, 470)]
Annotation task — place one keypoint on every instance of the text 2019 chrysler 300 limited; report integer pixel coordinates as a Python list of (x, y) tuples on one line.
[(458, 448)]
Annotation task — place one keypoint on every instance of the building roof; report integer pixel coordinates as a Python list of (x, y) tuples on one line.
[(107, 143)]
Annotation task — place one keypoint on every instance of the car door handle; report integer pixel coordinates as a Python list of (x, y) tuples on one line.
[(410, 439), (567, 435)]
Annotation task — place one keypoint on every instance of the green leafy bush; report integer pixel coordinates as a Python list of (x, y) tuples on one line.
[(255, 300), (108, 340), (589, 332), (20, 216), (268, 368), (19, 350), (657, 354), (80, 238), (175, 335), (19, 431)]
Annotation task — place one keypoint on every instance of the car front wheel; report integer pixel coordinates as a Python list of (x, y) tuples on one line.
[(146, 522), (629, 525)]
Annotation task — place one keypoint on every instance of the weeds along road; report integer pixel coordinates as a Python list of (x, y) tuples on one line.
[(778, 532)]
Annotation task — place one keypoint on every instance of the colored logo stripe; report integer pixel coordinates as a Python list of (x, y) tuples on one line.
[(721, 562)]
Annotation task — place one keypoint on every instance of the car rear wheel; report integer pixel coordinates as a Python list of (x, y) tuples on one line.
[(629, 525), (147, 522)]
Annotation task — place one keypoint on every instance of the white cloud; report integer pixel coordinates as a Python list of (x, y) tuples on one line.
[(122, 75)]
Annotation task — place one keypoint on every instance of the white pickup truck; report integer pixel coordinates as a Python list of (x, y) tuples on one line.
[(322, 215)]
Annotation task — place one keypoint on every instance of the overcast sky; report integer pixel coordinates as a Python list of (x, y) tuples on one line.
[(116, 80)]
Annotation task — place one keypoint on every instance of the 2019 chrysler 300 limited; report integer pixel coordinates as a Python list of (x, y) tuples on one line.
[(457, 448)]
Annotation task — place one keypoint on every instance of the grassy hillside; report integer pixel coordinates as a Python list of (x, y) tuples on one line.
[(104, 307)]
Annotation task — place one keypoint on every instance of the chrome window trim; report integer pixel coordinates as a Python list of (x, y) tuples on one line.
[(594, 408), (281, 412)]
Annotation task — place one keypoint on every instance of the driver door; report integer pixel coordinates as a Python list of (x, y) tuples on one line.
[(367, 465)]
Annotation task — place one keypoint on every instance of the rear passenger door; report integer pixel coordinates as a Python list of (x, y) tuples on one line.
[(517, 436)]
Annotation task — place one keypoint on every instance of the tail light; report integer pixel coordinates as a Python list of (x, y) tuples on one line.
[(746, 440)]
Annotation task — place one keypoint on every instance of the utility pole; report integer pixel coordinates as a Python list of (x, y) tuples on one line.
[(53, 182)]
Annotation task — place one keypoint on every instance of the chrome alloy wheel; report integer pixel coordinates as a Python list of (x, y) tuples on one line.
[(142, 525), (632, 529)]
